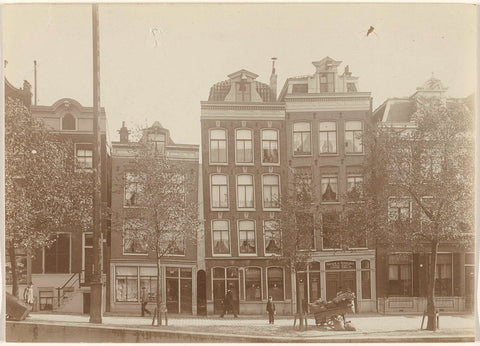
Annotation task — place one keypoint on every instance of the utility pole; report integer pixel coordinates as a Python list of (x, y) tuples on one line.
[(96, 285)]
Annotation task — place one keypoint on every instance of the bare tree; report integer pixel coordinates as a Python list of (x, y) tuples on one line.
[(44, 193), (165, 218)]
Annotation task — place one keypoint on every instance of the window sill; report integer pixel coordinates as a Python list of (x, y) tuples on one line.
[(133, 206), (355, 154), (328, 154), (135, 254), (302, 155), (244, 164), (221, 255), (218, 163), (219, 209), (271, 164), (246, 209), (247, 255), (331, 202), (272, 209)]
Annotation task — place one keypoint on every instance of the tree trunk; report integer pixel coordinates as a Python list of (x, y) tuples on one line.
[(159, 297), (13, 264), (431, 311)]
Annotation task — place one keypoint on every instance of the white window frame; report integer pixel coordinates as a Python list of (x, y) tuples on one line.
[(278, 146), (329, 176), (212, 208), (279, 192), (138, 205), (238, 194), (77, 168), (302, 154), (400, 197), (265, 244), (210, 147), (238, 163), (347, 152), (69, 256), (254, 238), (213, 239), (125, 224), (320, 152)]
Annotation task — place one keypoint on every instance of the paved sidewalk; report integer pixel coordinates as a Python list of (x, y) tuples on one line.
[(369, 327)]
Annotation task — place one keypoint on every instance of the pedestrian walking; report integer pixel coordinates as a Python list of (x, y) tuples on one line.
[(28, 294), (144, 301), (271, 310), (228, 304)]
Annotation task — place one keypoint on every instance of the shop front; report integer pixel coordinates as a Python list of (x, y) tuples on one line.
[(327, 274), (178, 283)]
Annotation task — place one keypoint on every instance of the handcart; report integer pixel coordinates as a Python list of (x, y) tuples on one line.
[(332, 316)]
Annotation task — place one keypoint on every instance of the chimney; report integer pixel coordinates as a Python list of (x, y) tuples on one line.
[(273, 80), (123, 133)]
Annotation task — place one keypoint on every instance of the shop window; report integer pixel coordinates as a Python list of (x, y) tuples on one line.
[(221, 240), (133, 189), (353, 137), (302, 139), (245, 191), (443, 282), (126, 284), (246, 232), (366, 289), (253, 284), (68, 122), (400, 274), (273, 238), (271, 188), (57, 255), (148, 279), (83, 157), (219, 191), (329, 189), (244, 146), (270, 147), (218, 146), (328, 137), (275, 283)]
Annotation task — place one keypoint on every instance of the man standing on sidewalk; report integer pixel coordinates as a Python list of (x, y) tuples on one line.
[(144, 300), (271, 310)]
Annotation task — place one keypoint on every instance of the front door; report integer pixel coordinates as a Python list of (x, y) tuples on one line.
[(186, 296), (218, 295), (87, 257), (172, 295), (232, 285)]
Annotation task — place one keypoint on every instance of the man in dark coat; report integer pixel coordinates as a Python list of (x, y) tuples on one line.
[(271, 310), (228, 304), (144, 301)]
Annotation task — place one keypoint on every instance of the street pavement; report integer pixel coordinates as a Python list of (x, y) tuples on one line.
[(372, 327)]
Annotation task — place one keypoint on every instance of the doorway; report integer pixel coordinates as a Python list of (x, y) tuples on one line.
[(201, 293), (340, 275)]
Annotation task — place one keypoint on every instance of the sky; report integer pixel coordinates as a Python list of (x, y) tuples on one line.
[(158, 61)]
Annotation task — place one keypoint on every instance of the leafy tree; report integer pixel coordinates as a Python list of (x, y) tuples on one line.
[(43, 193), (418, 190), (296, 222), (165, 218)]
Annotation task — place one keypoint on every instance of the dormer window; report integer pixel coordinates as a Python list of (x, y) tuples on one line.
[(158, 141), (243, 91), (326, 82), (351, 88), (68, 122)]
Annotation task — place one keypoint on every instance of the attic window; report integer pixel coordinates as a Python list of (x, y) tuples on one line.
[(68, 122), (243, 91), (326, 82), (299, 88), (351, 87)]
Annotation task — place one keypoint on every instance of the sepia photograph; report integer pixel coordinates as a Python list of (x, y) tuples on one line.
[(219, 172)]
